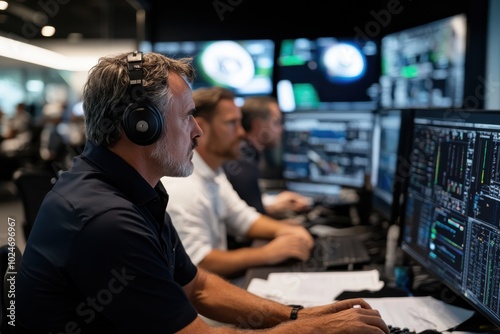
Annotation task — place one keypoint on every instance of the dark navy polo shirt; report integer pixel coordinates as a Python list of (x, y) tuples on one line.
[(103, 255), (244, 175)]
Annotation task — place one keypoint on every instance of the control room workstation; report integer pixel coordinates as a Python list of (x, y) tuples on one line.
[(433, 205), (401, 176)]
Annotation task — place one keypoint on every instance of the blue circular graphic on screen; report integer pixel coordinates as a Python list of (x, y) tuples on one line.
[(226, 63), (343, 62)]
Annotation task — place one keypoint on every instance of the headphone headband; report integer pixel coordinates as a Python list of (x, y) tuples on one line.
[(142, 122)]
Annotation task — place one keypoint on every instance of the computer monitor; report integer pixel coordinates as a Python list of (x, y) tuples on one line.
[(328, 73), (388, 161), (424, 66), (452, 213), (324, 151), (145, 46), (244, 66)]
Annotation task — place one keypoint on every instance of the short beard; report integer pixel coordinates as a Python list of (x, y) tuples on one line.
[(162, 155)]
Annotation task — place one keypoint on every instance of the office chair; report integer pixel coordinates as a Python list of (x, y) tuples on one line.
[(32, 186), (8, 271)]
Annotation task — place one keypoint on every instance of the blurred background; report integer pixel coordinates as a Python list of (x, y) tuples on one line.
[(48, 46)]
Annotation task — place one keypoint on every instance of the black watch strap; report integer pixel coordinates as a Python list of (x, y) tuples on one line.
[(295, 311)]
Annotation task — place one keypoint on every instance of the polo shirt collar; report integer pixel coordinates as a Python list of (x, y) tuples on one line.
[(121, 174)]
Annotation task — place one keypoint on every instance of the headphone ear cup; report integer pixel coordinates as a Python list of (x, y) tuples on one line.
[(142, 123)]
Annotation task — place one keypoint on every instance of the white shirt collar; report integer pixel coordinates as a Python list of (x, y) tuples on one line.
[(201, 168)]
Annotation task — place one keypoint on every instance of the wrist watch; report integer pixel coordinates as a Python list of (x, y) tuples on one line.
[(295, 311)]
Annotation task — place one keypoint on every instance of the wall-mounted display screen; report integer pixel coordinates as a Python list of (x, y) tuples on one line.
[(328, 74), (425, 66), (244, 66)]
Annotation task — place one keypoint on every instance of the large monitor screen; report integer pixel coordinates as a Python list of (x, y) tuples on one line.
[(425, 66), (328, 74), (244, 66), (328, 148), (452, 212), (388, 154)]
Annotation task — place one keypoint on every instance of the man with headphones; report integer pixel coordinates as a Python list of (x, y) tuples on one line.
[(103, 257)]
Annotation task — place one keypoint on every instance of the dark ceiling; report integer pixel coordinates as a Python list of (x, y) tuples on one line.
[(194, 19), (277, 19), (89, 19)]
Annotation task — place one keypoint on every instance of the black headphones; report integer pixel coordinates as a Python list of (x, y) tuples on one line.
[(142, 121)]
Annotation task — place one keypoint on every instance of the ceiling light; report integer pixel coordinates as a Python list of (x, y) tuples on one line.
[(48, 31), (4, 5), (13, 49)]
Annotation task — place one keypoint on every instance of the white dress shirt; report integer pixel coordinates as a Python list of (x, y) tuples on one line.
[(204, 207)]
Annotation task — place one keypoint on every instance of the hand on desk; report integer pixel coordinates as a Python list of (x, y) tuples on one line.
[(347, 316), (288, 201), (298, 231), (284, 241), (287, 246)]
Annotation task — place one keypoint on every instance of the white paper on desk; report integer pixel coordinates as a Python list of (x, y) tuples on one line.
[(419, 313), (314, 288)]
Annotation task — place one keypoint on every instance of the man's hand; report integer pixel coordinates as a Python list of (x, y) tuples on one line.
[(288, 201), (347, 316), (298, 231), (285, 247)]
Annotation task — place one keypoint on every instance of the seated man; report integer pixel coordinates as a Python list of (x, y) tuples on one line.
[(263, 123), (205, 207), (103, 256)]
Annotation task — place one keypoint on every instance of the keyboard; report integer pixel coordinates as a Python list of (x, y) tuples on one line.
[(329, 200), (399, 330), (332, 251)]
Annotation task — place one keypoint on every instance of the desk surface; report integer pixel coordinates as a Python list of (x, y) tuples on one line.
[(389, 290)]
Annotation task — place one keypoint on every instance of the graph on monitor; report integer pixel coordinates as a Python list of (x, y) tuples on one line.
[(452, 212)]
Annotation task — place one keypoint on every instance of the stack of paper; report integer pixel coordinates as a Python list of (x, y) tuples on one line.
[(419, 313), (314, 288), (319, 288)]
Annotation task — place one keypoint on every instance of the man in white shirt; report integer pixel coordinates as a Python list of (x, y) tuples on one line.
[(205, 207)]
